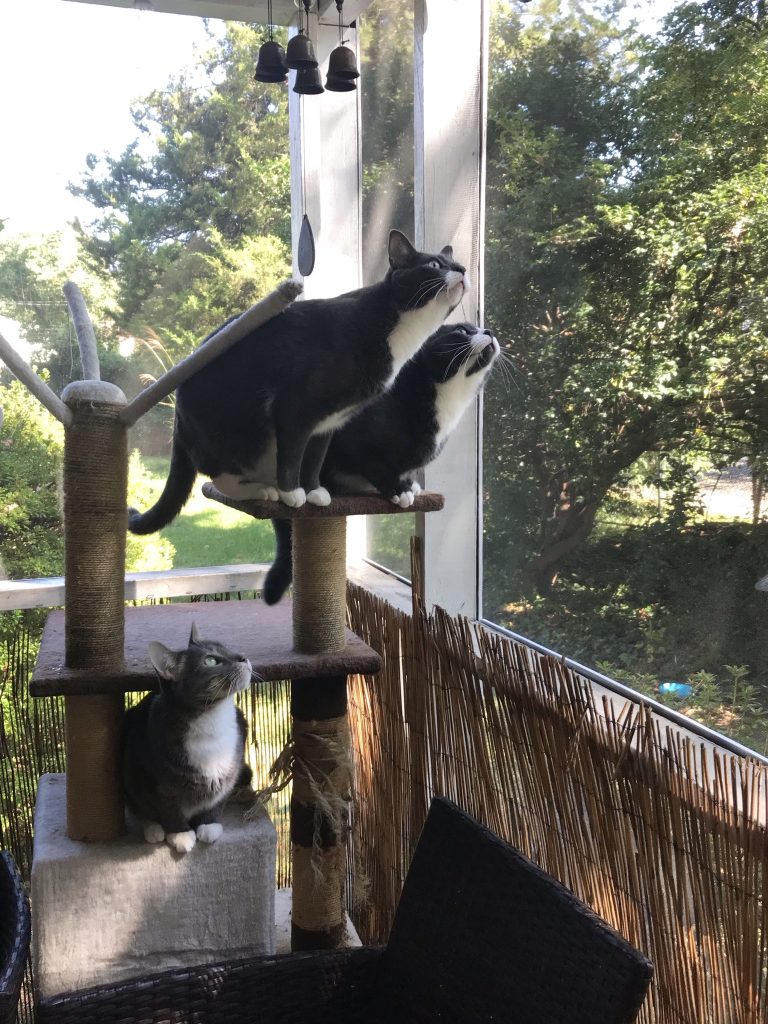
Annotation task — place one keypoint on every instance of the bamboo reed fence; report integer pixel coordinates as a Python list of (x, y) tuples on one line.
[(662, 834)]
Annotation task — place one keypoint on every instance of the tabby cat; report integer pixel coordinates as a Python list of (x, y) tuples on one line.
[(183, 747)]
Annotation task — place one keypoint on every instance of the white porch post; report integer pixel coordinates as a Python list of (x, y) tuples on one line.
[(325, 173), (326, 176), (450, 99)]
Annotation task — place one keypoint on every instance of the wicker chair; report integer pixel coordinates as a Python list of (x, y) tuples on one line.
[(480, 934), (14, 936)]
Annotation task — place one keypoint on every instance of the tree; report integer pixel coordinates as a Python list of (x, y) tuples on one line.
[(195, 220), (32, 274), (386, 48), (31, 443), (634, 261)]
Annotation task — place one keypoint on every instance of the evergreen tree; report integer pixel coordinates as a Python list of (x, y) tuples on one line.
[(195, 221)]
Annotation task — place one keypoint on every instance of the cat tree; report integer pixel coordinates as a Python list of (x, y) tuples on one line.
[(96, 650), (320, 752)]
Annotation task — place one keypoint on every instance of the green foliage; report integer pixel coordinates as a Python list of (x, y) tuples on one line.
[(196, 225), (208, 282), (723, 701), (657, 602), (628, 262), (155, 552), (31, 443), (32, 274), (206, 533), (387, 110), (389, 542)]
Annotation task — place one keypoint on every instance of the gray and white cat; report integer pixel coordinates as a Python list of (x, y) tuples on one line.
[(184, 747), (381, 449), (258, 419)]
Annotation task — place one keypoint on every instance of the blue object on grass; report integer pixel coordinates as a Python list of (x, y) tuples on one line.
[(676, 689)]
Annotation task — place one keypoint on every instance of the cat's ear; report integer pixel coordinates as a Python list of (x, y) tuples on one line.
[(194, 636), (401, 252), (447, 251), (163, 660)]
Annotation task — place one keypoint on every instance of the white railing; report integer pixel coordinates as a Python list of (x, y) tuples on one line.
[(48, 592)]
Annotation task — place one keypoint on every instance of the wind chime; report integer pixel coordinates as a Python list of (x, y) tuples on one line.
[(272, 66), (342, 66), (273, 62)]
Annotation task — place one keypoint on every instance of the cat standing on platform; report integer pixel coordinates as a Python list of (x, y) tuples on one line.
[(384, 446), (258, 420), (184, 747)]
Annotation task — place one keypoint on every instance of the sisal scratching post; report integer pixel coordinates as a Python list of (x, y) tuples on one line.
[(322, 757), (95, 492), (319, 585)]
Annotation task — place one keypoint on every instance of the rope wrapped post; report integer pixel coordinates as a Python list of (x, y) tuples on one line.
[(95, 499), (321, 743)]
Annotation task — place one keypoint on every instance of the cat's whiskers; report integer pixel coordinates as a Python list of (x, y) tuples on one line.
[(509, 370), (462, 366), (430, 289)]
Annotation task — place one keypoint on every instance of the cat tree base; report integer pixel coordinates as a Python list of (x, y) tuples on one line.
[(104, 912)]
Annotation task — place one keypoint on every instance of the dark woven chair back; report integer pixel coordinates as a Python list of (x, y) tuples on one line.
[(14, 936), (482, 934)]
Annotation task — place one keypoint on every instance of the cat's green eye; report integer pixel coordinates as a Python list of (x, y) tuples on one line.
[(209, 661)]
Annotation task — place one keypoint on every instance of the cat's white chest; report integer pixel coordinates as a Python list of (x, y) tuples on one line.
[(411, 331), (211, 744), (451, 400)]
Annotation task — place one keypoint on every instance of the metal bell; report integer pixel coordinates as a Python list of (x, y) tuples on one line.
[(335, 83), (342, 64), (308, 81), (300, 53), (271, 66)]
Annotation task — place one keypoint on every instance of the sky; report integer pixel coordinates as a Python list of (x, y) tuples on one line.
[(68, 74)]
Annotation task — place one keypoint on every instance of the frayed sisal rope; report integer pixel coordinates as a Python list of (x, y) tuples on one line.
[(318, 760)]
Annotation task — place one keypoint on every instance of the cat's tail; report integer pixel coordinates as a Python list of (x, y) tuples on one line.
[(280, 573), (178, 487)]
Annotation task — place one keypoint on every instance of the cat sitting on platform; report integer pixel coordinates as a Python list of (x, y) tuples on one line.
[(259, 418), (184, 747), (381, 449)]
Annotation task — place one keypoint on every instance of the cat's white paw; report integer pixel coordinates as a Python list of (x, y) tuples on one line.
[(295, 498), (209, 833), (153, 833), (243, 489), (249, 489), (264, 492), (318, 496), (181, 842), (416, 487), (404, 499)]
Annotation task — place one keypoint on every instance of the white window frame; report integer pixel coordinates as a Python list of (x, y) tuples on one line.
[(451, 53)]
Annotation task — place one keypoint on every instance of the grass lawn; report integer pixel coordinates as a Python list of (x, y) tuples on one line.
[(207, 533)]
